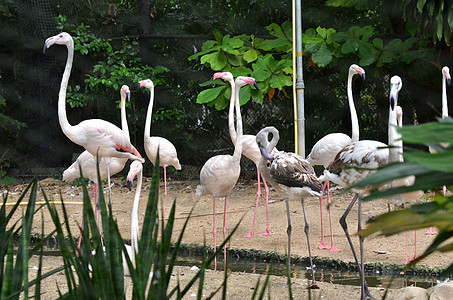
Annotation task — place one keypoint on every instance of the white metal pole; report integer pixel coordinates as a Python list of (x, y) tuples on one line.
[(300, 86)]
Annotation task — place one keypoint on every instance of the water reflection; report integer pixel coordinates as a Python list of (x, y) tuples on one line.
[(322, 274)]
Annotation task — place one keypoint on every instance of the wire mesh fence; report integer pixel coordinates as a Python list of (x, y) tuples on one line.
[(30, 81)]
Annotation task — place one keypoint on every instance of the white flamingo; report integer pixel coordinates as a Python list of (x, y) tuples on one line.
[(446, 79), (249, 150), (167, 151), (87, 162), (99, 137), (358, 160), (325, 150), (291, 175), (221, 172), (135, 169), (407, 181)]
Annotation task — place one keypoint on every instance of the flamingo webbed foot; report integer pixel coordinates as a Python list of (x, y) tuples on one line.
[(431, 231), (323, 246), (267, 233), (333, 249)]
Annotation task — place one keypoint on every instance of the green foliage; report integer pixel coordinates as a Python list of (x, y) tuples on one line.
[(267, 60), (431, 172), (435, 17), (9, 124), (115, 66), (327, 46), (14, 271), (4, 166), (176, 117)]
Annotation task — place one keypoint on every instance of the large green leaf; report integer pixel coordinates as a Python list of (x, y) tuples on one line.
[(251, 55), (323, 56), (210, 94), (427, 133), (217, 60), (280, 81)]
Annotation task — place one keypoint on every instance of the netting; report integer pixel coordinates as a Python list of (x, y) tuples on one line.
[(30, 81)]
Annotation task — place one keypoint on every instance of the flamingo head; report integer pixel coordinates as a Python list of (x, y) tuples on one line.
[(395, 86), (355, 69), (223, 75), (241, 81), (147, 83), (135, 168), (446, 74), (125, 91), (62, 38)]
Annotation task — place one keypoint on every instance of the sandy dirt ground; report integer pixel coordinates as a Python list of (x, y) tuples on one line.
[(241, 204)]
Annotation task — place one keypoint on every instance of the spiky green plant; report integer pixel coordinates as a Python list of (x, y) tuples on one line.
[(14, 273), (99, 270)]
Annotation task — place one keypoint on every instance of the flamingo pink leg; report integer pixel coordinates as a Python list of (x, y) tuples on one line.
[(322, 245), (415, 246), (96, 213), (224, 232), (407, 242), (214, 232), (266, 189), (332, 248), (258, 193)]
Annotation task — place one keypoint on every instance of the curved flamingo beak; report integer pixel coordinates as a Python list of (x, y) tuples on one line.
[(50, 41), (265, 153), (129, 185)]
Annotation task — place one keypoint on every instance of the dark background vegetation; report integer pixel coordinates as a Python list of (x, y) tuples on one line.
[(165, 34)]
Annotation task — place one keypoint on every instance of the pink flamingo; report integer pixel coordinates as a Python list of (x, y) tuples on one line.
[(221, 172), (167, 151), (325, 150), (446, 79), (249, 149), (358, 160), (408, 181), (99, 137), (291, 175), (87, 162)]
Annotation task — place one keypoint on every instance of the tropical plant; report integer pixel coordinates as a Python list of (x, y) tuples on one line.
[(269, 61), (116, 65), (14, 282), (431, 171)]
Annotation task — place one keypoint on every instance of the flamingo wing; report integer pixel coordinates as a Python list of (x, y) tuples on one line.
[(356, 161), (293, 170), (325, 150), (104, 138), (167, 151)]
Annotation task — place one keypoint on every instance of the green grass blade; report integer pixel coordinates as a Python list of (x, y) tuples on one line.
[(7, 283)]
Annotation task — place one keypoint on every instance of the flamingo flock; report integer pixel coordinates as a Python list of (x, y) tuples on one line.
[(346, 160)]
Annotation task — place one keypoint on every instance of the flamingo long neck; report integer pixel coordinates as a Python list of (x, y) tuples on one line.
[(394, 151), (62, 117), (231, 113), (274, 141), (238, 146), (134, 216), (398, 136), (444, 97), (354, 119), (124, 125), (149, 113)]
